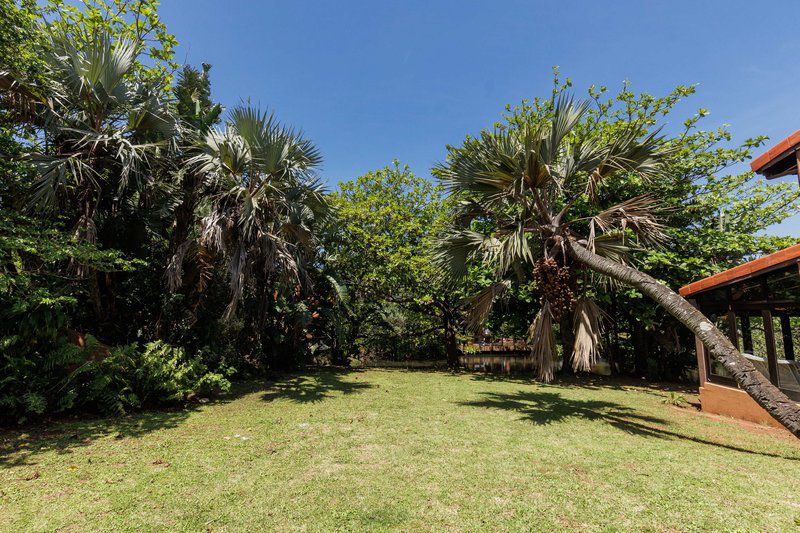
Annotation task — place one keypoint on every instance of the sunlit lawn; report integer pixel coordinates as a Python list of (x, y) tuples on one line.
[(391, 449)]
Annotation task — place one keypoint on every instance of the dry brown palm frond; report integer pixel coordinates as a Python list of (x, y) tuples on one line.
[(174, 271), (593, 183), (19, 99), (542, 342), (588, 330), (479, 306), (205, 267), (637, 214), (211, 231)]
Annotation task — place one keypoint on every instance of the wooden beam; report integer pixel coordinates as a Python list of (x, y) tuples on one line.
[(797, 162), (769, 340), (788, 342)]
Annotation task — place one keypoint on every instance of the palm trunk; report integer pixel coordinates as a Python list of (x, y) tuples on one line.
[(567, 343), (719, 346)]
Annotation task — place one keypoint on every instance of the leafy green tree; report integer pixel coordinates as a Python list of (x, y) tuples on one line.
[(379, 249), (536, 182), (37, 305)]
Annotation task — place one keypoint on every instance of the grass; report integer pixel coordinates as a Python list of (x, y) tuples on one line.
[(391, 449)]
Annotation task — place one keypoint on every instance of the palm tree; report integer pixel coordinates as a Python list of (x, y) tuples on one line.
[(100, 129), (524, 192), (99, 133), (264, 202), (196, 116)]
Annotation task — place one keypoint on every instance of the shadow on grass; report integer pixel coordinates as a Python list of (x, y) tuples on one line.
[(552, 408), (314, 386), (592, 382), (20, 446)]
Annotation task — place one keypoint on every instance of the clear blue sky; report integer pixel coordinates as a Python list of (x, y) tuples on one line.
[(373, 81)]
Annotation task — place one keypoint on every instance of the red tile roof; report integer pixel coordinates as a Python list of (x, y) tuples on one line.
[(786, 145), (779, 258)]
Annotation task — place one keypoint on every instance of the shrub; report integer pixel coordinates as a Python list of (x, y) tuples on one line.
[(50, 381), (154, 374)]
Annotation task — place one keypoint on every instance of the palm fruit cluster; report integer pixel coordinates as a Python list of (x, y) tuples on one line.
[(556, 285)]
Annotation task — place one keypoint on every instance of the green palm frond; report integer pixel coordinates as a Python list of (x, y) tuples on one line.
[(279, 152), (457, 247), (92, 68)]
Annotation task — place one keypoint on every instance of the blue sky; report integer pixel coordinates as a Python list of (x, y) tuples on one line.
[(374, 81)]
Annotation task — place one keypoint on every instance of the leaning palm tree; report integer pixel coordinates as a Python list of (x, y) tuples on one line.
[(264, 202), (524, 195)]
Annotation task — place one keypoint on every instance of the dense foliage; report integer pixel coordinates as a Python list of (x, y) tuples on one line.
[(153, 244), (134, 213), (393, 301)]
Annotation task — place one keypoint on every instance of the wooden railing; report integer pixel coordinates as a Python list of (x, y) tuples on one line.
[(496, 347)]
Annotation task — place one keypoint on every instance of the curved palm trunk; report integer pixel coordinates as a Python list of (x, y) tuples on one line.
[(749, 379)]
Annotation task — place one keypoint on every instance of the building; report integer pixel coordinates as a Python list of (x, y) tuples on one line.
[(757, 305)]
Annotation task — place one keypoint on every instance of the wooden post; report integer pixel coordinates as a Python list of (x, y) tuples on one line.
[(747, 335), (769, 340), (702, 357), (732, 333), (788, 343)]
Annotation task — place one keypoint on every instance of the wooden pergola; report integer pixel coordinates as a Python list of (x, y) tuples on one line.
[(757, 305)]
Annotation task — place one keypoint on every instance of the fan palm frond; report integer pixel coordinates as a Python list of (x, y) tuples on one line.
[(637, 214), (458, 246)]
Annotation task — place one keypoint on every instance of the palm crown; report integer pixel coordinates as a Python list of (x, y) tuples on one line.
[(265, 201), (101, 128), (518, 187)]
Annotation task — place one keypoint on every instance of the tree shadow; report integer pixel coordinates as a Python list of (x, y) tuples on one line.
[(20, 446), (592, 382), (544, 408), (314, 386)]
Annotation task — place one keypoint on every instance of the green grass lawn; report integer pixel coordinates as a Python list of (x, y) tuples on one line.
[(392, 449)]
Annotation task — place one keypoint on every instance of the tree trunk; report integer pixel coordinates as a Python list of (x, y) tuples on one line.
[(767, 395), (450, 343), (567, 343), (639, 348)]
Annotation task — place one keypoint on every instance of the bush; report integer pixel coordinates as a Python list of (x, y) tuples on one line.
[(47, 381), (130, 377), (155, 374)]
